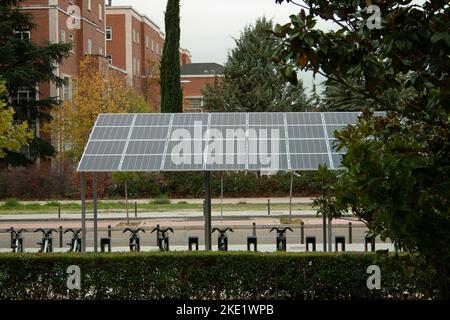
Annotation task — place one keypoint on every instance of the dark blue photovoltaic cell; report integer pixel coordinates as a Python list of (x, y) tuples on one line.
[(215, 141)]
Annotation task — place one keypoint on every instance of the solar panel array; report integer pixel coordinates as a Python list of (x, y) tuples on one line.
[(214, 142)]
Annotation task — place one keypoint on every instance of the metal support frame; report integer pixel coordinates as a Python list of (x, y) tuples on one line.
[(83, 211), (207, 211), (95, 214)]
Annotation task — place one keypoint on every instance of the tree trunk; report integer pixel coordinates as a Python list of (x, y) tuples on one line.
[(443, 277)]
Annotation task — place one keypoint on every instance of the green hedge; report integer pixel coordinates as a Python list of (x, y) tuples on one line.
[(236, 184), (202, 275)]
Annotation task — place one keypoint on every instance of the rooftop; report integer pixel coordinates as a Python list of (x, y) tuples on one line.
[(197, 69)]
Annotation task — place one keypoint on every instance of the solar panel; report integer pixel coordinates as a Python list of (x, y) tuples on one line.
[(215, 142)]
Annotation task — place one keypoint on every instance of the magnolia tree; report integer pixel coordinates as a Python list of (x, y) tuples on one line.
[(397, 167)]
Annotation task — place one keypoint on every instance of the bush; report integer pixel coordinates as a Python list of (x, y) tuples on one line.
[(11, 203), (203, 275), (162, 199)]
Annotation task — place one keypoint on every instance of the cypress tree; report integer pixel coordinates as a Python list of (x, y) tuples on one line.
[(23, 66), (171, 93)]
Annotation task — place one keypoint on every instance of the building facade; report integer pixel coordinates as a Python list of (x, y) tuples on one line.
[(194, 78)]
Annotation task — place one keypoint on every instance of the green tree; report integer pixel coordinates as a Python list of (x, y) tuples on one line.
[(24, 65), (171, 93), (12, 136), (397, 176), (251, 82)]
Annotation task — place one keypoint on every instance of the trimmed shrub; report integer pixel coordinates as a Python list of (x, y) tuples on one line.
[(203, 275)]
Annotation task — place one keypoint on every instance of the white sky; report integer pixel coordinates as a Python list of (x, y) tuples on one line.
[(209, 26)]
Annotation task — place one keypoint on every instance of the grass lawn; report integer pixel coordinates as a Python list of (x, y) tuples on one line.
[(14, 207)]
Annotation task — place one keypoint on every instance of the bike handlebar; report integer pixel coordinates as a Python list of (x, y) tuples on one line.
[(163, 230), (75, 232), (46, 233), (282, 231), (133, 232), (222, 232), (16, 232)]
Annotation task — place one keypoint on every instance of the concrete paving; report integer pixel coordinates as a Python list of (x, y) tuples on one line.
[(156, 215), (298, 200)]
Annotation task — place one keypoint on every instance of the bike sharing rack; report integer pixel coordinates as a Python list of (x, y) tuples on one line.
[(135, 240), (16, 239), (162, 238), (46, 246), (281, 238), (75, 241), (222, 240)]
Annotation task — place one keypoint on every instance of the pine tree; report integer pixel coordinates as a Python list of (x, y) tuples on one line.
[(252, 82), (171, 93), (24, 65)]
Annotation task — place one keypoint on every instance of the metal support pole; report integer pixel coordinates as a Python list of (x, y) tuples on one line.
[(221, 197), (95, 215), (290, 194), (302, 233), (59, 210), (330, 235), (254, 229), (60, 236), (268, 206), (207, 208), (324, 234), (350, 233), (109, 232), (135, 210), (83, 212)]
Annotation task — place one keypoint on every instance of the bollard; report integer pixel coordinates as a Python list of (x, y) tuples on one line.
[(369, 240), (193, 241), (60, 236), (59, 211), (311, 241), (302, 233), (268, 206), (135, 210), (109, 231), (350, 233), (105, 242), (339, 240), (252, 240), (254, 229)]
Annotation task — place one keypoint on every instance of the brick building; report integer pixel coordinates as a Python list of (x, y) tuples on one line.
[(134, 46), (54, 24), (194, 78)]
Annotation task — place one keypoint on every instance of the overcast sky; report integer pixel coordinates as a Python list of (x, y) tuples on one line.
[(209, 26)]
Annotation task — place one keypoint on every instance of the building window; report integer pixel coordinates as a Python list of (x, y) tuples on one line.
[(63, 36), (138, 40), (23, 35), (100, 12), (134, 35), (110, 60), (100, 51), (146, 41), (153, 45), (108, 31), (67, 89), (157, 48), (72, 42), (89, 46), (90, 5)]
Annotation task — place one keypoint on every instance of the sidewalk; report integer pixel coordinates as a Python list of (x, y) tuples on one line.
[(156, 215), (189, 201)]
